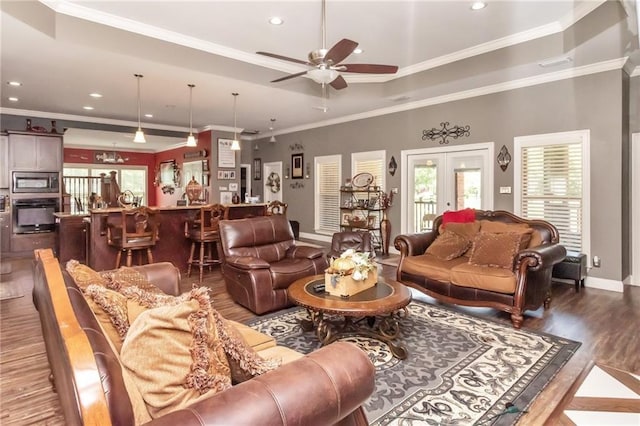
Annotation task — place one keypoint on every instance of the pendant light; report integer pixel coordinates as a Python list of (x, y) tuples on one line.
[(235, 145), (139, 137), (273, 138), (191, 141)]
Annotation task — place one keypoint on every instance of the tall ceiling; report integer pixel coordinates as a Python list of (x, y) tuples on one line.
[(61, 51)]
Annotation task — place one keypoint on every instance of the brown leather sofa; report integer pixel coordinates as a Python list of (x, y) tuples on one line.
[(261, 260), (527, 285), (325, 387)]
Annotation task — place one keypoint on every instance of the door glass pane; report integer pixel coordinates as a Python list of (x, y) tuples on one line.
[(134, 181), (468, 189), (425, 195)]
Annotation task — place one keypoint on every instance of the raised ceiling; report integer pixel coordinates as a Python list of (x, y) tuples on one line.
[(61, 51)]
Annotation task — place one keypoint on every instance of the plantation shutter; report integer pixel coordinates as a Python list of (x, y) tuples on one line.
[(328, 194), (552, 189), (375, 166)]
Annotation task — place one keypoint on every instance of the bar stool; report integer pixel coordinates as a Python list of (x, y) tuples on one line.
[(137, 230), (205, 232)]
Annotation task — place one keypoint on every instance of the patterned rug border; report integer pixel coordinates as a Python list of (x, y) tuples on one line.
[(521, 394)]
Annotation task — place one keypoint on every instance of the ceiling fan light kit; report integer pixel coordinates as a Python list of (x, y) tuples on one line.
[(139, 136)]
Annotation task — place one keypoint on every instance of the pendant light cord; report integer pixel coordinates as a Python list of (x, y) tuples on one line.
[(139, 76), (191, 86), (235, 127)]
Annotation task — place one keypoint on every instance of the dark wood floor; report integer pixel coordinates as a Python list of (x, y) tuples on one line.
[(606, 323)]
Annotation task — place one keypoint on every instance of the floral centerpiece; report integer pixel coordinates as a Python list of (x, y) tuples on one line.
[(350, 273)]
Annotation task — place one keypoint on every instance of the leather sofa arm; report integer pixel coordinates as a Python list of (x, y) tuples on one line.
[(321, 389), (247, 262), (414, 244), (304, 252), (540, 257)]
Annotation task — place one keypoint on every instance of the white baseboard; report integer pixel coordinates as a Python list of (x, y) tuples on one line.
[(630, 280), (604, 284)]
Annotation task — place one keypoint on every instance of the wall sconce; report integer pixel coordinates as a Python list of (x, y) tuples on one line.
[(307, 173), (393, 166), (504, 158), (286, 173)]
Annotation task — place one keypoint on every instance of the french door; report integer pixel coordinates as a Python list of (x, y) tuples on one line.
[(440, 179)]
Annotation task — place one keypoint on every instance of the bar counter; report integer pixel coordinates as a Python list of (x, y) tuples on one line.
[(85, 235)]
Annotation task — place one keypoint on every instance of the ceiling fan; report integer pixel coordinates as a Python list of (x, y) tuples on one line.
[(326, 63)]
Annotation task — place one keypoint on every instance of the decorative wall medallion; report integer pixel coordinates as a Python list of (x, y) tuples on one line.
[(296, 147), (454, 132), (393, 166)]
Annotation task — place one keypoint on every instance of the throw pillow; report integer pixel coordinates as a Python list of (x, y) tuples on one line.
[(493, 249), (175, 355), (84, 275), (466, 229), (129, 277), (448, 245), (459, 216), (114, 304), (497, 227)]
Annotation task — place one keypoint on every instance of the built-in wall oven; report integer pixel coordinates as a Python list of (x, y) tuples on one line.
[(34, 215), (35, 182)]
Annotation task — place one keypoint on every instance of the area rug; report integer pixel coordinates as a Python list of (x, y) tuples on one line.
[(461, 370)]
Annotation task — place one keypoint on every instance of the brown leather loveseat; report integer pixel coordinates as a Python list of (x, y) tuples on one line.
[(261, 261), (521, 280), (325, 387)]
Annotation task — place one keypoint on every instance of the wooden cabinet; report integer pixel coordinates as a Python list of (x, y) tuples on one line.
[(4, 161), (5, 232), (28, 151), (30, 242), (71, 238), (363, 210)]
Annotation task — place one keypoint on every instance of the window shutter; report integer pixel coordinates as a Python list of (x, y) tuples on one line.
[(328, 194), (552, 189)]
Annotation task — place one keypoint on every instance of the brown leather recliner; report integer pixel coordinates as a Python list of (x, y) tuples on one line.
[(357, 240), (261, 260)]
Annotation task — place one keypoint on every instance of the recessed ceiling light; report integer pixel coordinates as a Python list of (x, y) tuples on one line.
[(276, 21), (357, 50), (95, 95), (477, 5), (14, 83), (13, 99), (88, 108), (149, 115)]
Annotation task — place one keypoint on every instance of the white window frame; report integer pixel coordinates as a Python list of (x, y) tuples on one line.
[(380, 155), (560, 138), (318, 161), (92, 166)]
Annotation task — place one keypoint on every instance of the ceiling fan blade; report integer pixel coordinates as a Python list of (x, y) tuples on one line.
[(339, 83), (287, 77), (284, 58), (369, 68), (340, 51)]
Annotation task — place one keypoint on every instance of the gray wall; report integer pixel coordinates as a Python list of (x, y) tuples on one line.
[(594, 102)]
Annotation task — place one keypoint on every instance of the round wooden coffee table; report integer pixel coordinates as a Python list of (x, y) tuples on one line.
[(384, 303)]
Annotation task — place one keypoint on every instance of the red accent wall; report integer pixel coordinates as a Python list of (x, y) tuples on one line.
[(150, 160)]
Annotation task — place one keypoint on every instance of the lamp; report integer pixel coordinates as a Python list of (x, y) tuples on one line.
[(504, 158), (191, 141), (323, 75), (273, 138), (139, 137), (235, 145)]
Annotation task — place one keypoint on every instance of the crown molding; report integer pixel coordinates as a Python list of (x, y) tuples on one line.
[(635, 72), (598, 67)]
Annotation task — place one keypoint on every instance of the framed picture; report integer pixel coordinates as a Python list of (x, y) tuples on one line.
[(226, 157), (167, 169), (225, 197), (257, 169), (345, 218), (297, 161)]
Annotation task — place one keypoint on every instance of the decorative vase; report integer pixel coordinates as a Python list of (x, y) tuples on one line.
[(193, 190), (53, 127), (235, 199)]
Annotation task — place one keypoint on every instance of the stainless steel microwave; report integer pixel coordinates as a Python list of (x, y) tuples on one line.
[(36, 182)]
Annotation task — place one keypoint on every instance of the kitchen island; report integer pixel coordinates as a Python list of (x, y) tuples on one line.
[(90, 230)]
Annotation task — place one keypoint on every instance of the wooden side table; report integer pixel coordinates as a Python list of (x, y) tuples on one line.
[(573, 267)]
